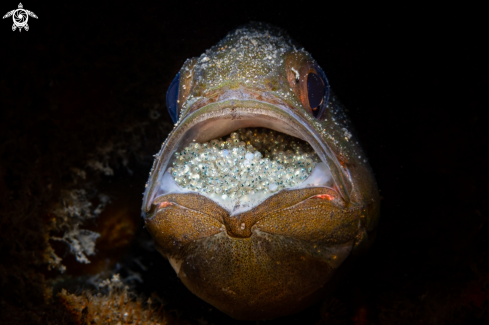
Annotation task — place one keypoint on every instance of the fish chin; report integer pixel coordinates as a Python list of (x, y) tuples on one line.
[(263, 277)]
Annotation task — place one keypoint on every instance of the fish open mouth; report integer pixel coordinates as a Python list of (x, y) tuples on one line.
[(238, 153)]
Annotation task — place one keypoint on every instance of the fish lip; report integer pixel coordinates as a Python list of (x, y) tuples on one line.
[(264, 114)]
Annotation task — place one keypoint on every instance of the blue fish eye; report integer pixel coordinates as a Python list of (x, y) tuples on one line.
[(317, 92), (172, 97)]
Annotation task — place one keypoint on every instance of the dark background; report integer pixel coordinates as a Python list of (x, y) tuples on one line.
[(412, 76)]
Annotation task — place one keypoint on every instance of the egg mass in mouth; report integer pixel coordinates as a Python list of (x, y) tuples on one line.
[(249, 161), (241, 170)]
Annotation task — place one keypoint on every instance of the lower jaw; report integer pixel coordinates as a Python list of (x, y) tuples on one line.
[(261, 277)]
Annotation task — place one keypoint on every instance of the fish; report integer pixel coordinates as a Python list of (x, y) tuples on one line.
[(261, 191)]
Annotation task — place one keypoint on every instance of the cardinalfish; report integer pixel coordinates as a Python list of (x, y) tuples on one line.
[(261, 191)]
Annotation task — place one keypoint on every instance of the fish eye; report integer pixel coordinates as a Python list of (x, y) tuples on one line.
[(309, 83), (172, 98), (315, 92)]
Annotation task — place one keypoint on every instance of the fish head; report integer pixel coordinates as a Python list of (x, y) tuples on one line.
[(264, 249)]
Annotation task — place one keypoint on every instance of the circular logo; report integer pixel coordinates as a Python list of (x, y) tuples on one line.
[(20, 17)]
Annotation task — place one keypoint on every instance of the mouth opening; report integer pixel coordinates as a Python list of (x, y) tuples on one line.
[(242, 169), (238, 157), (246, 162)]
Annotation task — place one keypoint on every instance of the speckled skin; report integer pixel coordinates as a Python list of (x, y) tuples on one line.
[(271, 260)]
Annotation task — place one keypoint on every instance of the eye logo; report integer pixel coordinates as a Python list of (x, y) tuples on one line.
[(20, 17)]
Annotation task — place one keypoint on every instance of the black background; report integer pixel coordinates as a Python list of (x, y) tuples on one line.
[(413, 77)]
